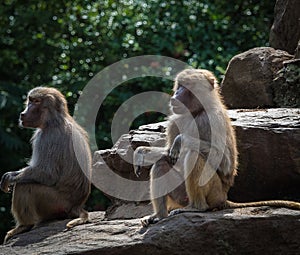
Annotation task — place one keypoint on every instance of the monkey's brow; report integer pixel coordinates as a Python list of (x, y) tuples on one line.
[(35, 97), (185, 85)]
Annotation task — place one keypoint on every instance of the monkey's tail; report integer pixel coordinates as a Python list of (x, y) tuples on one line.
[(273, 203)]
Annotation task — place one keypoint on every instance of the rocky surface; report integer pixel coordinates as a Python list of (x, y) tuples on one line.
[(249, 78), (119, 157), (242, 231), (269, 156), (285, 32)]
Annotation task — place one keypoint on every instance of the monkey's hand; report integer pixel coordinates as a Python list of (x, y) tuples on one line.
[(175, 149), (7, 180), (138, 161), (145, 156)]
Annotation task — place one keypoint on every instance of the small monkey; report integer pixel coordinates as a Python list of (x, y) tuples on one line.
[(200, 156), (56, 182)]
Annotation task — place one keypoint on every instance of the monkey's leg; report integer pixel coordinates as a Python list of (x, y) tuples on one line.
[(211, 196), (178, 198), (21, 210), (158, 191), (216, 194), (159, 204), (17, 230), (193, 167), (36, 203), (167, 194)]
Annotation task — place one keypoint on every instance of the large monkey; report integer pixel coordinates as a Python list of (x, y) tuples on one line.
[(200, 156), (56, 182)]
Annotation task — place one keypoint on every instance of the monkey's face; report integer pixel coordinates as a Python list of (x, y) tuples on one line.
[(44, 107), (31, 117), (184, 101), (192, 86)]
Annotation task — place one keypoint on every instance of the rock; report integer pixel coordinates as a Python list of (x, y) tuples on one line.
[(115, 165), (285, 31), (269, 158), (242, 231), (269, 154), (286, 85), (119, 157), (249, 78), (121, 210)]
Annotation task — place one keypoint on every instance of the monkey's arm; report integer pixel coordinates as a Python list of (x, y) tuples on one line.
[(146, 156), (218, 159), (42, 170), (186, 142), (26, 175), (49, 153), (9, 179), (34, 174)]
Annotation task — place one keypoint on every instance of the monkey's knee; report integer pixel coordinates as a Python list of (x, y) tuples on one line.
[(158, 186)]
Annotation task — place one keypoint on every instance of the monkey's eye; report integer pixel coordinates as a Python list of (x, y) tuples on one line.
[(35, 100)]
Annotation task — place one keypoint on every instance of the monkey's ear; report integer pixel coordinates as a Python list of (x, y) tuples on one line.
[(211, 78), (51, 103), (211, 81)]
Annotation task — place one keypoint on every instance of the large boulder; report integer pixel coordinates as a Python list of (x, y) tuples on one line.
[(285, 31), (249, 78), (268, 145), (242, 231), (286, 85), (119, 157), (269, 154), (112, 166)]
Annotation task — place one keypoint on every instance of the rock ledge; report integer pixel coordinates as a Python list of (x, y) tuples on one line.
[(260, 230)]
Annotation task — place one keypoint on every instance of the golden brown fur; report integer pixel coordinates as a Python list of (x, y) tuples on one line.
[(54, 184), (203, 154)]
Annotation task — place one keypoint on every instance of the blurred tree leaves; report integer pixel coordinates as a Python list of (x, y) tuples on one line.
[(65, 43)]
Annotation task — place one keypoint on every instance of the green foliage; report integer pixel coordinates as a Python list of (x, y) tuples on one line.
[(65, 43)]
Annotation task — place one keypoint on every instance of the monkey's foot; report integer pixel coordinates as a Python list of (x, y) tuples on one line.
[(17, 230), (82, 219), (149, 220), (76, 222)]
